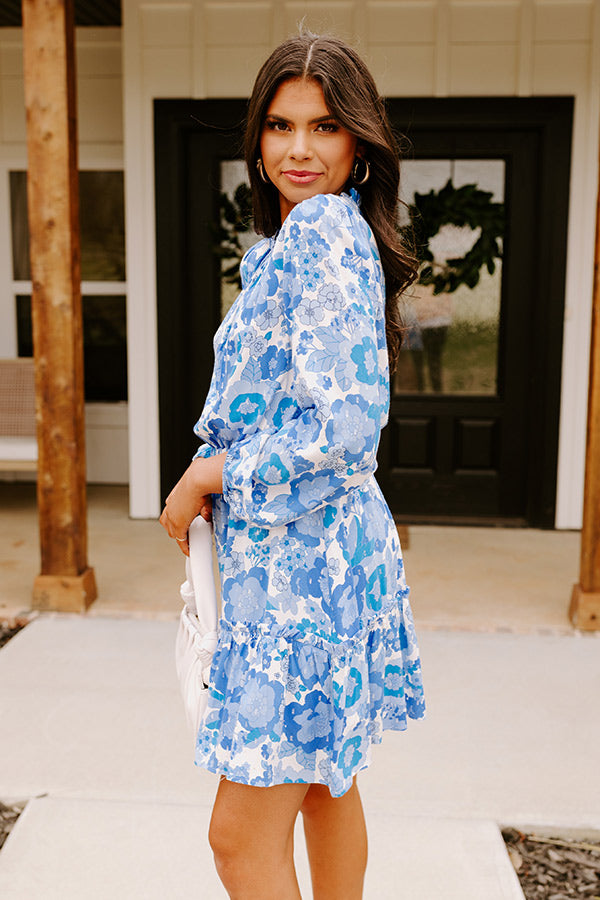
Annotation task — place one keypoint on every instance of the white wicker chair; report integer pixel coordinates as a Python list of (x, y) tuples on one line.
[(18, 443)]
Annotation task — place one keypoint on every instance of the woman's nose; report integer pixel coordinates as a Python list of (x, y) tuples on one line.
[(300, 145)]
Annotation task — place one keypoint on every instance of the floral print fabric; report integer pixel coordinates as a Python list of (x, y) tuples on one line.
[(317, 653)]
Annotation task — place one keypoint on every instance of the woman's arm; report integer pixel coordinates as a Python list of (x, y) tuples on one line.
[(191, 497)]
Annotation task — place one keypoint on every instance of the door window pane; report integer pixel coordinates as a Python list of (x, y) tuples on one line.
[(452, 316), (102, 226), (236, 233)]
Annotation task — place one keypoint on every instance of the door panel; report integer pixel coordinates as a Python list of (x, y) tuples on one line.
[(474, 420), (462, 381)]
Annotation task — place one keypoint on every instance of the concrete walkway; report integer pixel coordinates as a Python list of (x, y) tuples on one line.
[(92, 728), (92, 731)]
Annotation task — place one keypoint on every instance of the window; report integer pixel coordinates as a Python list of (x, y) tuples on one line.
[(102, 226)]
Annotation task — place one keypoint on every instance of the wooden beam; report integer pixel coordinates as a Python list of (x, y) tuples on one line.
[(585, 599), (66, 582)]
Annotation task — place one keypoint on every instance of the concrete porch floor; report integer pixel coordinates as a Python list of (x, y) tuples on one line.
[(476, 579)]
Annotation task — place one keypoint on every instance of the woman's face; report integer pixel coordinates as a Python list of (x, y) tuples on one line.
[(304, 150)]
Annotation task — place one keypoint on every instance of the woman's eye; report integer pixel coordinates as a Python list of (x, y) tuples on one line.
[(274, 125), (328, 127)]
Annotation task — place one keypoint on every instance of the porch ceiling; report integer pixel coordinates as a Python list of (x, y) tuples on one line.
[(87, 12)]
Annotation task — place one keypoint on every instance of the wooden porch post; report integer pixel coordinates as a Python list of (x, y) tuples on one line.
[(585, 600), (66, 582)]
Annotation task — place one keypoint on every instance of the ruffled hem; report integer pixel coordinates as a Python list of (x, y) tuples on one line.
[(238, 775), (295, 707)]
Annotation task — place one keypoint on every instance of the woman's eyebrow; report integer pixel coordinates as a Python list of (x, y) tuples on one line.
[(316, 121)]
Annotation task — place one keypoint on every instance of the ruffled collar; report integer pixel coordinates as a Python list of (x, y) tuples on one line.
[(354, 195)]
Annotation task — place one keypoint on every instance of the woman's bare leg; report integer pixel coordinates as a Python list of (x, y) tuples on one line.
[(336, 841), (252, 837)]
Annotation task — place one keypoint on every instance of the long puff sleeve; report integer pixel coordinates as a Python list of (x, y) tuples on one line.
[(324, 435)]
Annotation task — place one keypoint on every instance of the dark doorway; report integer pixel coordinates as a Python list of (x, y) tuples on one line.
[(473, 430)]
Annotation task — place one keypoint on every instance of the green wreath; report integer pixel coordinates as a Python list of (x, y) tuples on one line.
[(466, 205)]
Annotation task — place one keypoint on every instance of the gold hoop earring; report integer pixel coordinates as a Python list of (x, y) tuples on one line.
[(261, 171), (354, 172)]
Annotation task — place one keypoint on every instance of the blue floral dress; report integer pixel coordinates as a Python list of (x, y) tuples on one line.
[(317, 652)]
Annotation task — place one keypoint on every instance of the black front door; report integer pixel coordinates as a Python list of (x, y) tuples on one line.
[(192, 140), (474, 408)]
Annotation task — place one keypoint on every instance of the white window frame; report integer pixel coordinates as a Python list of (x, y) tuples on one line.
[(99, 415)]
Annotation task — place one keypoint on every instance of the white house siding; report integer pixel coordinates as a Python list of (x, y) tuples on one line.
[(99, 94), (212, 48)]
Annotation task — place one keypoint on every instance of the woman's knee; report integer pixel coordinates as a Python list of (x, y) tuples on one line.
[(230, 852), (243, 862), (239, 833), (226, 837)]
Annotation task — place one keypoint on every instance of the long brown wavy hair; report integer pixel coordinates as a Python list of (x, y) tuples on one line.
[(353, 100)]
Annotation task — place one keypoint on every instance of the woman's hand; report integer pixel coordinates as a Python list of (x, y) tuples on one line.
[(191, 497)]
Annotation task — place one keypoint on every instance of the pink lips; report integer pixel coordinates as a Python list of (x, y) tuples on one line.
[(301, 177)]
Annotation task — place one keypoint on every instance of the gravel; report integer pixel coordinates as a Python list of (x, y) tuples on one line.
[(9, 813), (554, 868), (7, 631)]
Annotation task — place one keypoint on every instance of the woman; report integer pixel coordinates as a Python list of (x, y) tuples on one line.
[(317, 653)]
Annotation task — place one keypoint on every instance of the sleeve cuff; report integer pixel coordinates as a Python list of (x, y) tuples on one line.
[(204, 451), (232, 494)]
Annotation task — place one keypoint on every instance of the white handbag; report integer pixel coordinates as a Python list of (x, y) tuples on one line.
[(197, 634)]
